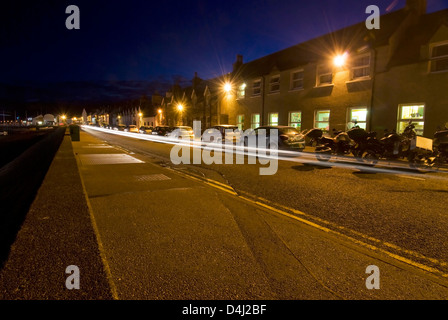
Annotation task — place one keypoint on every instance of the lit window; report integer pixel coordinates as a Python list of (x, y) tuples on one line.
[(357, 116), (413, 113), (297, 80), (439, 58), (241, 93), (273, 119), (361, 67), (295, 120), (274, 84), (322, 120), (324, 75), (256, 88), (255, 123), (240, 121)]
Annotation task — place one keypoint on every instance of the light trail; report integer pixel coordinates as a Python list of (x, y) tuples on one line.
[(345, 162)]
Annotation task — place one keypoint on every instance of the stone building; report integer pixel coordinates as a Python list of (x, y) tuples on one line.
[(379, 79)]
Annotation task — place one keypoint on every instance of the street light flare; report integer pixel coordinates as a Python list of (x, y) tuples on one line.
[(227, 87), (339, 60)]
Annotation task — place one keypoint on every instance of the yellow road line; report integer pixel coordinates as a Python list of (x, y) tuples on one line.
[(408, 261)]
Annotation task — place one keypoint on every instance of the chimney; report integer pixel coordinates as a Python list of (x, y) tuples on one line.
[(196, 80), (417, 6), (238, 63)]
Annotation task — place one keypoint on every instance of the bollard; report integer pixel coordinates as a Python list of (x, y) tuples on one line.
[(74, 132)]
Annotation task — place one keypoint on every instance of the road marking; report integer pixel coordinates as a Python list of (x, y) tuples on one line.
[(296, 213), (410, 177)]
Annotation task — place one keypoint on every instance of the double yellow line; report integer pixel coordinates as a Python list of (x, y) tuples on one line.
[(307, 219)]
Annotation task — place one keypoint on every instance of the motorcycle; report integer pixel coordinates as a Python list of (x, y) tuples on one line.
[(367, 148), (441, 146), (326, 146)]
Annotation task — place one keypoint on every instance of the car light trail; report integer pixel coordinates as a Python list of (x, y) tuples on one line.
[(284, 155)]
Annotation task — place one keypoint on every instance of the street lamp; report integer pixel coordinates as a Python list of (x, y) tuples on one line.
[(227, 87), (160, 115), (340, 60), (140, 115), (180, 108)]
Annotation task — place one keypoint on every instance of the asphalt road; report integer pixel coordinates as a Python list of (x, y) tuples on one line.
[(398, 214)]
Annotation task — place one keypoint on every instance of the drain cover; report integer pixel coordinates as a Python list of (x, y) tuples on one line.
[(95, 159)]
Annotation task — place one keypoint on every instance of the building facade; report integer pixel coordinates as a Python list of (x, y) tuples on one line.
[(378, 79)]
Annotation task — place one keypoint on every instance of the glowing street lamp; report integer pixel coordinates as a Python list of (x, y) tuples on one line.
[(180, 108), (159, 111), (340, 60), (227, 87)]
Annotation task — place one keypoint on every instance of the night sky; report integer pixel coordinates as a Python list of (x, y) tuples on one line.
[(149, 40)]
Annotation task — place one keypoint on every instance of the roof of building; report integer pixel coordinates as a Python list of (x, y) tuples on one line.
[(418, 35)]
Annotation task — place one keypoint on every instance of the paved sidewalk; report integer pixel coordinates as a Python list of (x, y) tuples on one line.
[(56, 233)]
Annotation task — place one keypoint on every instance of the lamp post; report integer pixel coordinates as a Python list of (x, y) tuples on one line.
[(160, 116), (140, 115), (180, 108)]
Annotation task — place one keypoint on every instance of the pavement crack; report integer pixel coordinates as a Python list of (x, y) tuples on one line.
[(286, 274)]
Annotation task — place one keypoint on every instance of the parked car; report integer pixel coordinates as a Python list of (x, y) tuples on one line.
[(233, 133), (181, 131), (162, 130), (145, 130), (131, 128), (119, 127), (289, 138)]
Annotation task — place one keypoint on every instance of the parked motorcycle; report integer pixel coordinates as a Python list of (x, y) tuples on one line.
[(326, 146), (367, 148), (441, 146)]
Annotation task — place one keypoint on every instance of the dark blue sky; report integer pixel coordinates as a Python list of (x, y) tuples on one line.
[(147, 40)]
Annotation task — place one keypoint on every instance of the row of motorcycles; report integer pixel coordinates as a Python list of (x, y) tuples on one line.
[(366, 147)]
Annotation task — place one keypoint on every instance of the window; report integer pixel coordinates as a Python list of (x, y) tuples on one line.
[(322, 120), (414, 113), (256, 88), (297, 80), (274, 84), (361, 67), (241, 93), (273, 119), (255, 123), (324, 75), (439, 58), (240, 121), (357, 116), (295, 120)]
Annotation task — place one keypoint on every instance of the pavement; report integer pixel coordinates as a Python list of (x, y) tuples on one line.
[(137, 229)]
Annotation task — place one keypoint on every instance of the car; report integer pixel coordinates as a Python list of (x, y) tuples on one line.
[(131, 128), (228, 133), (119, 127), (185, 132), (289, 138), (145, 130), (162, 130)]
